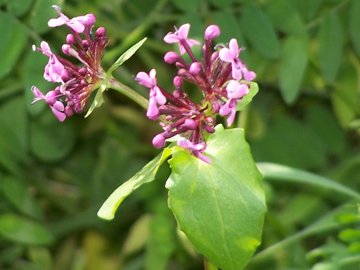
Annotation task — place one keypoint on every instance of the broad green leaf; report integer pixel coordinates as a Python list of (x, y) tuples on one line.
[(98, 100), (145, 175), (13, 41), (308, 8), (258, 29), (293, 65), (230, 27), (279, 172), (18, 194), (51, 140), (42, 12), (24, 231), (331, 42), (187, 5), (126, 55), (285, 17), (19, 7), (350, 235), (219, 206), (354, 22), (254, 89)]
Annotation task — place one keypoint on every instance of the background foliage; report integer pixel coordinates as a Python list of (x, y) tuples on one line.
[(54, 176)]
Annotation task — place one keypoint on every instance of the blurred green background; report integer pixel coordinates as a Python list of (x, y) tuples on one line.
[(54, 176)]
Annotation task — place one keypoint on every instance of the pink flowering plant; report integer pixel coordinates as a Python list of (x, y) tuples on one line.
[(214, 189)]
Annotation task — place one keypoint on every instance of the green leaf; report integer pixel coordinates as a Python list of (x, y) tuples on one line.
[(126, 55), (230, 27), (145, 175), (42, 12), (19, 7), (254, 89), (13, 41), (354, 22), (98, 100), (279, 172), (18, 194), (222, 3), (51, 140), (219, 206), (24, 231), (260, 32), (187, 5), (293, 65), (331, 42)]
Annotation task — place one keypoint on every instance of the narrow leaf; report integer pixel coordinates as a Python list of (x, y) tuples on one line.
[(98, 100), (254, 89), (145, 175), (260, 32), (354, 22), (292, 67), (279, 172), (219, 206), (331, 41), (126, 55)]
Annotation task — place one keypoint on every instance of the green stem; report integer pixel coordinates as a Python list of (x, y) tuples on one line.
[(209, 265), (129, 92)]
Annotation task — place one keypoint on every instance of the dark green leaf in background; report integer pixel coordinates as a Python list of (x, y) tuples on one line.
[(51, 140), (23, 230), (17, 192), (42, 12), (260, 32), (187, 5), (222, 3), (331, 41), (293, 65), (308, 8), (13, 41), (230, 27), (219, 206), (19, 7), (354, 24)]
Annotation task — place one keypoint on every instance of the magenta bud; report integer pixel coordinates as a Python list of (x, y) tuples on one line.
[(212, 31), (83, 71), (85, 44), (195, 68), (158, 141), (178, 81), (190, 124), (70, 39), (65, 75), (65, 49), (171, 57), (100, 32)]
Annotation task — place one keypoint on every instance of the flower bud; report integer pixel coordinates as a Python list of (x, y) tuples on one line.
[(100, 32), (212, 31), (65, 49), (159, 141), (171, 57), (70, 39), (177, 81), (195, 68)]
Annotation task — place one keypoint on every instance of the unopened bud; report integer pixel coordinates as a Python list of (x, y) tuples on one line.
[(70, 39), (212, 31), (158, 141), (178, 81), (171, 57), (195, 68)]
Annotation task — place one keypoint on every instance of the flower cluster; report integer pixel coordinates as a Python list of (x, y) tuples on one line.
[(76, 82), (221, 76)]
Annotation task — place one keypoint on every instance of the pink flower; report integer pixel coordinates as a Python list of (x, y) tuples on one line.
[(236, 90), (231, 55), (156, 97), (181, 37), (196, 149), (50, 98), (77, 24)]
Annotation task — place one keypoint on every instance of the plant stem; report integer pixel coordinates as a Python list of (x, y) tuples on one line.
[(129, 92), (209, 265)]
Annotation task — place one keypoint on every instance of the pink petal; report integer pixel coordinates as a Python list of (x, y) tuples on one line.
[(160, 98), (58, 21), (144, 79), (37, 94), (248, 75), (184, 31), (234, 48), (76, 26), (236, 71), (88, 19), (152, 111), (171, 38), (226, 55)]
